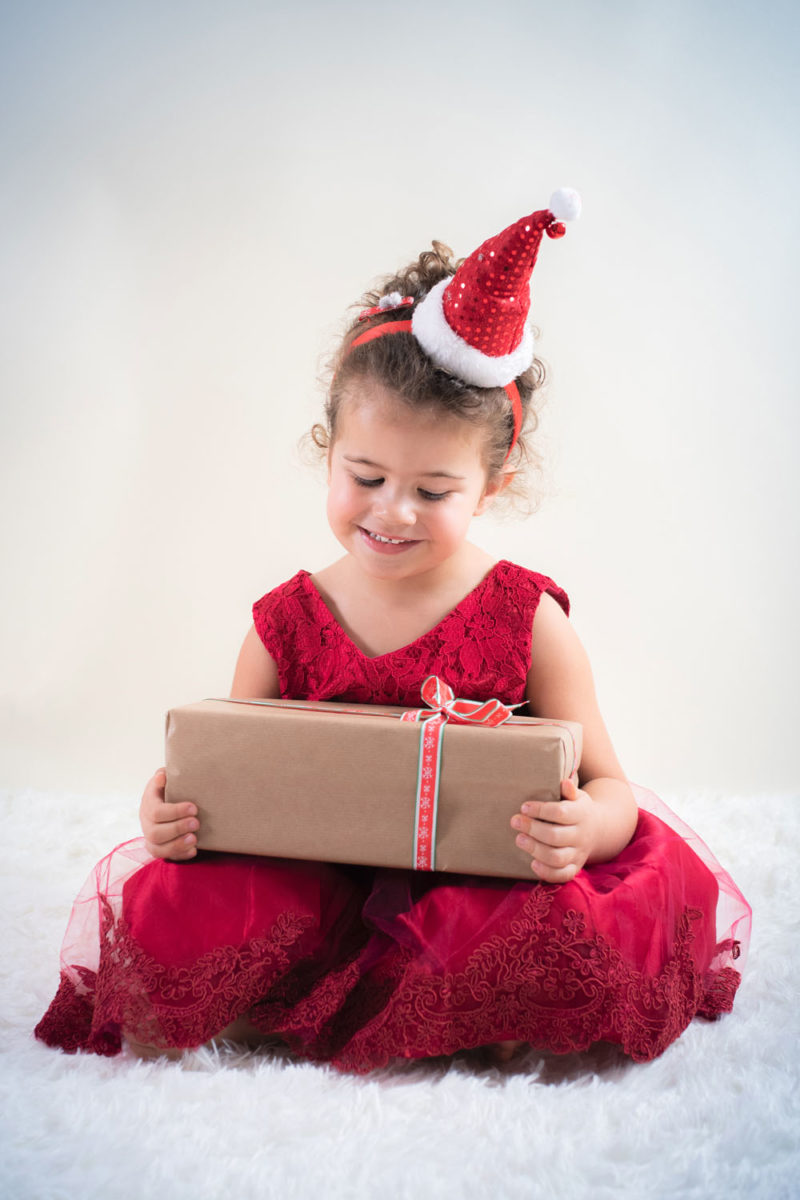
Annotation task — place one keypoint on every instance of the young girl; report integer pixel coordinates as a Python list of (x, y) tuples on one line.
[(628, 927)]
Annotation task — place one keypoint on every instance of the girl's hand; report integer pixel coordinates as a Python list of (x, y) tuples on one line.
[(558, 834), (170, 830)]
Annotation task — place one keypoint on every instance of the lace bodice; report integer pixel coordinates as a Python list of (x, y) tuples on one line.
[(482, 647)]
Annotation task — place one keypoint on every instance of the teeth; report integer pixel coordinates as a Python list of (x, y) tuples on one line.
[(392, 541)]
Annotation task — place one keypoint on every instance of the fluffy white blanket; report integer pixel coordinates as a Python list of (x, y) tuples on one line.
[(715, 1116)]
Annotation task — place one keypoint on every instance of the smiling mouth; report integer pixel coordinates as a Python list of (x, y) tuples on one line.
[(381, 540)]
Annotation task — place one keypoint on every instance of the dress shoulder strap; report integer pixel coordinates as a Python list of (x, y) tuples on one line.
[(488, 648), (523, 588), (285, 621)]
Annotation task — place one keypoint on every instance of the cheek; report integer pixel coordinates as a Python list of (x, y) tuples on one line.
[(333, 505), (466, 503), (343, 497), (452, 518)]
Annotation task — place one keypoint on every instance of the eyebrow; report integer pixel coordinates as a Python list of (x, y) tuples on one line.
[(367, 462)]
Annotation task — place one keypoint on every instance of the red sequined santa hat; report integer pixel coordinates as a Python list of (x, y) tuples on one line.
[(473, 324)]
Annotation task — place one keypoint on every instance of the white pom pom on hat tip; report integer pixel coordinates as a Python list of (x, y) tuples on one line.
[(565, 204)]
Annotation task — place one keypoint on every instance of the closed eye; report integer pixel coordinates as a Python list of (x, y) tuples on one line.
[(371, 483)]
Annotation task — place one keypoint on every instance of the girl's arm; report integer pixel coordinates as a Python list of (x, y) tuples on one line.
[(256, 675), (592, 822), (170, 830)]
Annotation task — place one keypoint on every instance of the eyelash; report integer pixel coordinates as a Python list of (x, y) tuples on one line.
[(368, 483)]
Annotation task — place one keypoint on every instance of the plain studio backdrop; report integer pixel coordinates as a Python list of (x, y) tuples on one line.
[(193, 194), (192, 198)]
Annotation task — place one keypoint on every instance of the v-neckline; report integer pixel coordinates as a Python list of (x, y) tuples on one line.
[(318, 598)]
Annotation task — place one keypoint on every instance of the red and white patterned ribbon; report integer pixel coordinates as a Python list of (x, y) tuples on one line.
[(443, 706)]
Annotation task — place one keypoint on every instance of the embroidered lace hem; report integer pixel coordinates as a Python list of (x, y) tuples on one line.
[(550, 986)]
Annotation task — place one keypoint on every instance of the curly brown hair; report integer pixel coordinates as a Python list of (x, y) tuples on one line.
[(401, 365)]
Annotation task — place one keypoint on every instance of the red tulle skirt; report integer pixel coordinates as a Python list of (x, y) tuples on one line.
[(355, 966)]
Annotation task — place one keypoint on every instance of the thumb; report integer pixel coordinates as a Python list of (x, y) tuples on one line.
[(569, 790)]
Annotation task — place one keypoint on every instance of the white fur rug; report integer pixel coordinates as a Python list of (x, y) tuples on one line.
[(716, 1116)]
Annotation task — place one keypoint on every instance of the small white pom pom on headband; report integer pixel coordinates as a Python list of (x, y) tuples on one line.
[(473, 324)]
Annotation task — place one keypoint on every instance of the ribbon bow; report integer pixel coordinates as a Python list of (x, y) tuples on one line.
[(441, 699), (443, 706)]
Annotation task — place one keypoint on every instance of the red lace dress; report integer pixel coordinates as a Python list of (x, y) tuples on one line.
[(353, 965)]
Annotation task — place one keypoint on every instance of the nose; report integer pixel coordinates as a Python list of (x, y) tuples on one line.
[(396, 509)]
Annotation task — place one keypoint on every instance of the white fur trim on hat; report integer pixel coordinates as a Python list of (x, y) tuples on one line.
[(450, 352)]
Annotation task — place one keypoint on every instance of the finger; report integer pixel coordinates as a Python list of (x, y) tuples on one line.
[(178, 850), (553, 875), (552, 857), (170, 831), (569, 789), (156, 785), (155, 794), (155, 807), (173, 812), (547, 833), (557, 812), (152, 797), (544, 831)]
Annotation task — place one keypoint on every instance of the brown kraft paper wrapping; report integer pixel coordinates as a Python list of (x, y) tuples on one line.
[(337, 782)]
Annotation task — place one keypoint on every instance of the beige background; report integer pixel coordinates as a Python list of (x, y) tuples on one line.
[(191, 201)]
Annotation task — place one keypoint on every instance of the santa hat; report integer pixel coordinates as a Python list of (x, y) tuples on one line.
[(473, 324)]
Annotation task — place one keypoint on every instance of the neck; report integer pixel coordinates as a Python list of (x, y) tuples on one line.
[(459, 573)]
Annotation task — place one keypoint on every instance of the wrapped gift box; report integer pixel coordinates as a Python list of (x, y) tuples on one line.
[(339, 782)]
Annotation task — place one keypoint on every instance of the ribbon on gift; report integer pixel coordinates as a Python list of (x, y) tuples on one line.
[(443, 707)]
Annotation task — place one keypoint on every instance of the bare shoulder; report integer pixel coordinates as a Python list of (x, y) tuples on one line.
[(549, 613), (256, 674), (555, 646), (561, 685)]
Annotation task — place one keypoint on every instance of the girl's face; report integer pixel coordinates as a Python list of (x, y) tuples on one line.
[(403, 486)]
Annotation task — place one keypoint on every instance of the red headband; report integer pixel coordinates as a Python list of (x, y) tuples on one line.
[(510, 389)]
